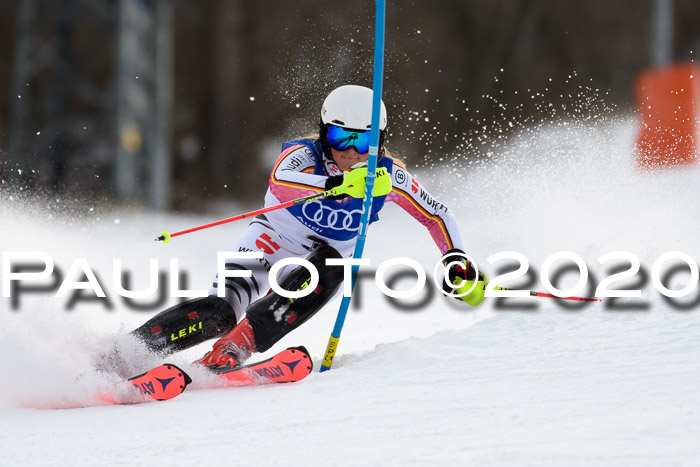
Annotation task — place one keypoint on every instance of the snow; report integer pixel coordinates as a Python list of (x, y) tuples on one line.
[(558, 384)]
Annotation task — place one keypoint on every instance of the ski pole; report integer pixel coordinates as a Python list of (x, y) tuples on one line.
[(578, 299), (352, 186), (165, 236), (547, 295)]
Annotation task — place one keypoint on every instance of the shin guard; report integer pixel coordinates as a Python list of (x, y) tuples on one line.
[(187, 324), (273, 316)]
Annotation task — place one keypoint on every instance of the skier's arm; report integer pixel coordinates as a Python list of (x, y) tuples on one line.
[(462, 280), (427, 210), (292, 176)]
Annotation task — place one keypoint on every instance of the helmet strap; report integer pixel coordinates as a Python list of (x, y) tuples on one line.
[(323, 132)]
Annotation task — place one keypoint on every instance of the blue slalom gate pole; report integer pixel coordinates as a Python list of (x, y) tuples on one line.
[(369, 187)]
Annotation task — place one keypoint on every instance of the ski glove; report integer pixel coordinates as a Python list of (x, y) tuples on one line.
[(353, 182), (332, 182), (461, 276)]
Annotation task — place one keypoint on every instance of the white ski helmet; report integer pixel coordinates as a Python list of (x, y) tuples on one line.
[(350, 106)]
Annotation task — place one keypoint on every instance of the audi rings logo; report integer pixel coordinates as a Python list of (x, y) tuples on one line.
[(336, 219)]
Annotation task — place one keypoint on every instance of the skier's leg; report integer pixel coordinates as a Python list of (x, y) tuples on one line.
[(186, 325), (193, 322), (240, 292), (289, 314), (273, 316)]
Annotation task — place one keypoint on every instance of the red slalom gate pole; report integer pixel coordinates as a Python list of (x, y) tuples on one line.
[(166, 236)]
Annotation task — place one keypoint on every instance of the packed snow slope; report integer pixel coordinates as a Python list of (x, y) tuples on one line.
[(522, 382)]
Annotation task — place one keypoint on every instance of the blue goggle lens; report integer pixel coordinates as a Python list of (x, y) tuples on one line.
[(342, 139)]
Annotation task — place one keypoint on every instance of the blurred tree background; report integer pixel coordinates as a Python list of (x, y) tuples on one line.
[(107, 99)]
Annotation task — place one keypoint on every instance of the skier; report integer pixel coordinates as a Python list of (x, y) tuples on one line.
[(250, 319)]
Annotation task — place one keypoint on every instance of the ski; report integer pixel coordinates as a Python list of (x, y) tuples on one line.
[(288, 366), (167, 381), (159, 384)]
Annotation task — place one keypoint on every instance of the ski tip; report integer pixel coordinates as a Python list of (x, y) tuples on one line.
[(306, 356), (300, 348), (161, 383), (185, 376)]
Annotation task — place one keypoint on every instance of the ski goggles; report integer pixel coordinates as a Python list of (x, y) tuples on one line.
[(341, 139)]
